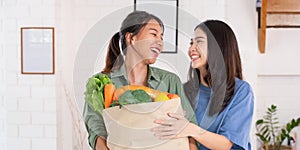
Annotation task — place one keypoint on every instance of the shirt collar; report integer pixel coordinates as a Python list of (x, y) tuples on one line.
[(152, 74), (122, 73), (119, 72)]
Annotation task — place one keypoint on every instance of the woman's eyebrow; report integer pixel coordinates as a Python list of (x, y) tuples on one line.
[(199, 37), (153, 29)]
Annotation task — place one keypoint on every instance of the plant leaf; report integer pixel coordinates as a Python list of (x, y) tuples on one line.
[(269, 109), (288, 127), (258, 122)]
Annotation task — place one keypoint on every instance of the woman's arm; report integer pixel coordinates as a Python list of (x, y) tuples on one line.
[(208, 139), (101, 144), (193, 144), (179, 127)]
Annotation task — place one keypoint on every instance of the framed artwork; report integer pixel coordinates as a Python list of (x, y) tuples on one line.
[(37, 50), (167, 11)]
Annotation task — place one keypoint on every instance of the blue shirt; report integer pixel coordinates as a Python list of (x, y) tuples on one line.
[(234, 122)]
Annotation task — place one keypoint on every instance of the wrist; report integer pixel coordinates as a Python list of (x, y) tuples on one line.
[(100, 141), (195, 130)]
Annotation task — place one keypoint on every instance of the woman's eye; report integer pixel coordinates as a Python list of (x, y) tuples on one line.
[(198, 41), (154, 34)]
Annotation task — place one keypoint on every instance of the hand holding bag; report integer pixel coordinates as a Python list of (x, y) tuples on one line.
[(130, 127)]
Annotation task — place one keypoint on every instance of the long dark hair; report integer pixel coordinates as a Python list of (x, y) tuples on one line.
[(221, 39), (133, 23)]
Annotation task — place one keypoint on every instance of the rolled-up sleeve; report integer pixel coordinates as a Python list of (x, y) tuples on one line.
[(236, 126), (94, 124)]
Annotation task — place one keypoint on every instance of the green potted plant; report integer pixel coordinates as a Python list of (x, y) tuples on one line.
[(270, 133)]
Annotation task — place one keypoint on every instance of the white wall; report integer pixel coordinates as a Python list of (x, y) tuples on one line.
[(282, 47), (279, 75), (28, 100), (3, 127)]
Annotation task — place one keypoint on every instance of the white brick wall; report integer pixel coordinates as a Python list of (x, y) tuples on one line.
[(43, 91), (17, 118), (279, 74), (282, 91), (3, 111), (31, 3), (43, 118), (16, 11), (33, 80), (30, 122), (9, 2), (12, 104), (42, 11), (278, 40), (13, 131), (16, 143), (11, 78), (1, 76), (1, 25), (50, 131), (3, 127), (49, 105), (31, 131), (45, 144), (10, 25), (18, 91), (32, 105)]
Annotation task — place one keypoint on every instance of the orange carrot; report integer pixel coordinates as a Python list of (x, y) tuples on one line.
[(151, 92), (108, 94)]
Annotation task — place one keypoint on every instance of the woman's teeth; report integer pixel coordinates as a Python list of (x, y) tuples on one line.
[(155, 50), (194, 56)]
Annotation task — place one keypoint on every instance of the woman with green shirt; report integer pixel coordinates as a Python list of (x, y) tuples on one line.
[(130, 52)]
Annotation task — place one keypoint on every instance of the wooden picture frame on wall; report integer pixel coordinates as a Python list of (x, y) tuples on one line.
[(37, 50)]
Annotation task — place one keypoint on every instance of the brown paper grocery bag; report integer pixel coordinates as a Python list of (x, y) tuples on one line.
[(129, 127)]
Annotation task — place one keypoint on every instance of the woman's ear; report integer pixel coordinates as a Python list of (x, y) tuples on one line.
[(128, 37)]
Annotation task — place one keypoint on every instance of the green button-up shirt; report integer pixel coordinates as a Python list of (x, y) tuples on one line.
[(157, 79)]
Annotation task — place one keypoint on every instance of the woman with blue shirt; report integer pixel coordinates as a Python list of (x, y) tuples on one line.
[(222, 100)]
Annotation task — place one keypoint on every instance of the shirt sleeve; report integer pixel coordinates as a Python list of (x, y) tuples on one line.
[(237, 123), (94, 124)]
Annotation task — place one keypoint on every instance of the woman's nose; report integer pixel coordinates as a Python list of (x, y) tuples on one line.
[(160, 42), (193, 47)]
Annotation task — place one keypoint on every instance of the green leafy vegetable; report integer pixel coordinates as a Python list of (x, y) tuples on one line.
[(94, 92), (134, 97)]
